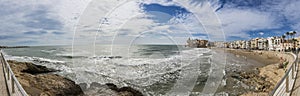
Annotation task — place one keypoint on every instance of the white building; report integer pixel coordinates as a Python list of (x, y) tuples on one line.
[(271, 43), (262, 44), (248, 45), (277, 43)]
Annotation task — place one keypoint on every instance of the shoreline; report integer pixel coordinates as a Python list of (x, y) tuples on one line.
[(39, 80), (260, 78)]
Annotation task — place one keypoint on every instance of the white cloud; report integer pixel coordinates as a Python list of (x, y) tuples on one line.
[(130, 20), (261, 33), (236, 22), (52, 16), (292, 13)]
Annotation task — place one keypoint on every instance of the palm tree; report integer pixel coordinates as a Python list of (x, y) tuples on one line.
[(287, 34), (293, 33), (283, 37)]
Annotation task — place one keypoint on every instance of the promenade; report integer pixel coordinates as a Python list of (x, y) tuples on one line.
[(9, 84), (3, 87), (296, 88)]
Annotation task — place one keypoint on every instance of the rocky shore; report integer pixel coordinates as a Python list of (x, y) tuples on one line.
[(259, 80), (108, 89), (40, 81), (37, 81)]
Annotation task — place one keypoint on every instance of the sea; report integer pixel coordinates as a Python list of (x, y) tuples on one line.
[(154, 70)]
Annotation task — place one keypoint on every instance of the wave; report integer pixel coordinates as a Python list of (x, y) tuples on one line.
[(70, 56), (105, 57), (50, 63), (138, 71), (146, 71), (33, 59), (48, 51)]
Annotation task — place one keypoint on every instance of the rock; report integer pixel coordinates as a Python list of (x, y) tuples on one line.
[(128, 90), (257, 82), (37, 84), (112, 86), (236, 76), (37, 69), (111, 90)]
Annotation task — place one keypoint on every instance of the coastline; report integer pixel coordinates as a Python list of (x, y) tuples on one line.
[(253, 75), (39, 80), (260, 78)]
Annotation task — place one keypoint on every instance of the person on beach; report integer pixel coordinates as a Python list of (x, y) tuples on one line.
[(281, 62)]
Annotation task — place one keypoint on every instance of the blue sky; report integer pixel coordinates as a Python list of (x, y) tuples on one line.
[(63, 22)]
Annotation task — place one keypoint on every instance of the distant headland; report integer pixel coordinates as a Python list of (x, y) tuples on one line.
[(14, 46)]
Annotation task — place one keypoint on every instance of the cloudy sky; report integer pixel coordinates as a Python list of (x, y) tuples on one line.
[(66, 22)]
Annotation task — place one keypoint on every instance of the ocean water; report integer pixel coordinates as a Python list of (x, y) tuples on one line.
[(152, 69)]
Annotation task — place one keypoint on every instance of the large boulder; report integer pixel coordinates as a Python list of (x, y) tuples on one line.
[(36, 83)]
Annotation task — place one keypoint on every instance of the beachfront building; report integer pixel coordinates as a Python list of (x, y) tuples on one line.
[(254, 43), (243, 44), (220, 44), (278, 43), (238, 44), (197, 43), (248, 45), (231, 45), (287, 45), (226, 45), (297, 42), (274, 43), (271, 43), (262, 44)]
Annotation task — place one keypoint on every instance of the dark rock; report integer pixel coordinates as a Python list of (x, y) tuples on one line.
[(36, 60), (124, 91), (130, 90), (37, 69), (111, 89), (114, 57), (112, 86), (236, 76)]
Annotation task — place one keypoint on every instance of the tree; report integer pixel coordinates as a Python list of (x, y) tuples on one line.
[(287, 34), (283, 37), (293, 33)]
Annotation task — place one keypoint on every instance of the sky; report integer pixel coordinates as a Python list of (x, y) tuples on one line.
[(67, 22)]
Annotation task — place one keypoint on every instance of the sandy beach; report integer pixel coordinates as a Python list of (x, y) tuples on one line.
[(263, 76)]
